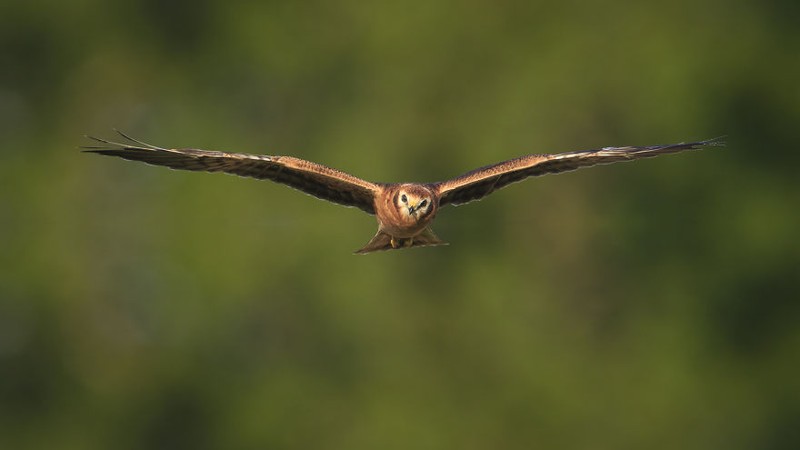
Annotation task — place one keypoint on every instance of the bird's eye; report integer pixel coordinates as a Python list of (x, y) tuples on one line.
[(403, 198), (423, 203)]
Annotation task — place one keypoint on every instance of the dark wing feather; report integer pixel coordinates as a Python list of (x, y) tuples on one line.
[(481, 182), (312, 178)]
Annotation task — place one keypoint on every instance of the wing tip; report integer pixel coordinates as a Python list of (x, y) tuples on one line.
[(719, 141), (108, 146)]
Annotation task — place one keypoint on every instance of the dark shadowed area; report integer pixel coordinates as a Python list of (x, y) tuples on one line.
[(651, 304)]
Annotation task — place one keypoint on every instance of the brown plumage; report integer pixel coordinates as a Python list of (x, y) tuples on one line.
[(404, 210)]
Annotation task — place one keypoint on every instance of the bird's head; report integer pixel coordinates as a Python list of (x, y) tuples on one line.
[(414, 201)]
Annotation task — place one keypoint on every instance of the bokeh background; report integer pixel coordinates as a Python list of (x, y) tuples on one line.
[(644, 305)]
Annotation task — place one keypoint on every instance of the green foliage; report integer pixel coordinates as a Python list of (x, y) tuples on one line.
[(643, 305)]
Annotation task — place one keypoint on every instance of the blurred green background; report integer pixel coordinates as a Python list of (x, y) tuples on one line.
[(644, 305)]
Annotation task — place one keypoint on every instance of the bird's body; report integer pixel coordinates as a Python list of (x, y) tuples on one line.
[(416, 208), (404, 210)]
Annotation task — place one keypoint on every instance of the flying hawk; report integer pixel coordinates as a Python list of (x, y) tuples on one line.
[(404, 210)]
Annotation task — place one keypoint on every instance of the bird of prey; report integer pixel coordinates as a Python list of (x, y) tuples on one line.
[(404, 210)]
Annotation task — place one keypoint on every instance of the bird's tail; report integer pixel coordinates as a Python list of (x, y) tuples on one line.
[(382, 241)]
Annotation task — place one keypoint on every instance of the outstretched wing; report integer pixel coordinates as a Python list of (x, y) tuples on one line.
[(481, 182), (312, 178)]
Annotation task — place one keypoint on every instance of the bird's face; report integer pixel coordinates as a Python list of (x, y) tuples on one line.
[(414, 202)]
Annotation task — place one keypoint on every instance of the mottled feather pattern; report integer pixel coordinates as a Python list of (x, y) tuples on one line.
[(311, 178), (481, 182)]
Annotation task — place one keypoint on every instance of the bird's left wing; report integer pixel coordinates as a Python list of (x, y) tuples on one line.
[(481, 182), (306, 176)]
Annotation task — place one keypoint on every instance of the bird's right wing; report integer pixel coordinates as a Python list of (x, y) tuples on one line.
[(315, 179)]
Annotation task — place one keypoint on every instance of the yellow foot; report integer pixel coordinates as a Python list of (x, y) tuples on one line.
[(397, 243)]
